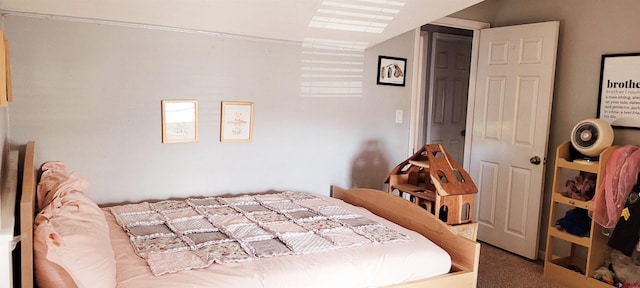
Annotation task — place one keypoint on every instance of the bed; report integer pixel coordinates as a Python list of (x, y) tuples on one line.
[(413, 222)]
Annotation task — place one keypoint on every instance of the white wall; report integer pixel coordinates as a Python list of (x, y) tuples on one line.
[(89, 95)]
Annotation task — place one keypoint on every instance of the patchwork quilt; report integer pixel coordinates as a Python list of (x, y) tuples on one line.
[(176, 235)]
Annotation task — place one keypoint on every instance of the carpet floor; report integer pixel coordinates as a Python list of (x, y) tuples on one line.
[(499, 268)]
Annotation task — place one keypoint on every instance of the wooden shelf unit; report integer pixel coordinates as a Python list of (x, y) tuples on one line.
[(559, 268)]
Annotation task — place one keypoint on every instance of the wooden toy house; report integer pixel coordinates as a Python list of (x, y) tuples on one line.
[(433, 180)]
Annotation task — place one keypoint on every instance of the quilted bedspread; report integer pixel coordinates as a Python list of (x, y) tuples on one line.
[(176, 235)]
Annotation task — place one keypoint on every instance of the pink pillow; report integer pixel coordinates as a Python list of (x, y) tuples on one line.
[(75, 236), (56, 181), (48, 274)]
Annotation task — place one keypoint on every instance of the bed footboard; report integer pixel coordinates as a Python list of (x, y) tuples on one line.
[(465, 254)]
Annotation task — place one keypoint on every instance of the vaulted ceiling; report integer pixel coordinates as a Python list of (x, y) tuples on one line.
[(362, 22)]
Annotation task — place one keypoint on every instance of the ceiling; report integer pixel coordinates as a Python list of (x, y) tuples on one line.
[(362, 22)]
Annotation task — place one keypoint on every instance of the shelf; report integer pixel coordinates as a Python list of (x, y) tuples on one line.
[(591, 168), (594, 283), (554, 270), (565, 262), (557, 233), (561, 198), (557, 268)]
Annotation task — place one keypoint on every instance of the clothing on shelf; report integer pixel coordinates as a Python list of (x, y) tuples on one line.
[(576, 221), (582, 187), (626, 234)]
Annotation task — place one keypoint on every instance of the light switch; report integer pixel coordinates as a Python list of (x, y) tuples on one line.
[(399, 116)]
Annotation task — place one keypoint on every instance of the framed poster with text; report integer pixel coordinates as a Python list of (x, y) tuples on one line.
[(619, 98)]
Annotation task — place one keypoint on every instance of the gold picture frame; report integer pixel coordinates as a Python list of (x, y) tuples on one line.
[(179, 121), (236, 121), (6, 93)]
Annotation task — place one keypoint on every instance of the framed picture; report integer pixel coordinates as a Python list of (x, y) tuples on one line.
[(6, 95), (619, 98), (179, 121), (8, 69), (236, 121), (391, 70)]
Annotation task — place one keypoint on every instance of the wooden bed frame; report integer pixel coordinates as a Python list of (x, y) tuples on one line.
[(464, 253)]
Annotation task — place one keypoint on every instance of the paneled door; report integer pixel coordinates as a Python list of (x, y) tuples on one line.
[(511, 115), (446, 123)]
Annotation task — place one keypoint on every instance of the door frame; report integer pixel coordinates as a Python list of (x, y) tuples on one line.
[(418, 95)]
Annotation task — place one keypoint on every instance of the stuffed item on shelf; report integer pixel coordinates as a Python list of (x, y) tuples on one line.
[(606, 274), (582, 187), (625, 269)]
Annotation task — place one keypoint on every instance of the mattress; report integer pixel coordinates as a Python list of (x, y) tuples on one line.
[(361, 266)]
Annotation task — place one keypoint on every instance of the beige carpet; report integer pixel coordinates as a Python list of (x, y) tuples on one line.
[(499, 269)]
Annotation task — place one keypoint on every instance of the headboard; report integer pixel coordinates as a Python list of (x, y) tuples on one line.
[(27, 214), (8, 220)]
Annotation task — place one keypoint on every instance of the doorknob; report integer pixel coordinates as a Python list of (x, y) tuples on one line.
[(463, 132), (535, 160)]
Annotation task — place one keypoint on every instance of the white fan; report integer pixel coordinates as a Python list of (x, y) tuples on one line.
[(591, 136)]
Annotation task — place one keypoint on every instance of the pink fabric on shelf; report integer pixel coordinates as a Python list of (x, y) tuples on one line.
[(621, 174)]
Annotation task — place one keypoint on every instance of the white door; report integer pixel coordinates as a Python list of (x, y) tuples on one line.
[(449, 88), (511, 114)]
